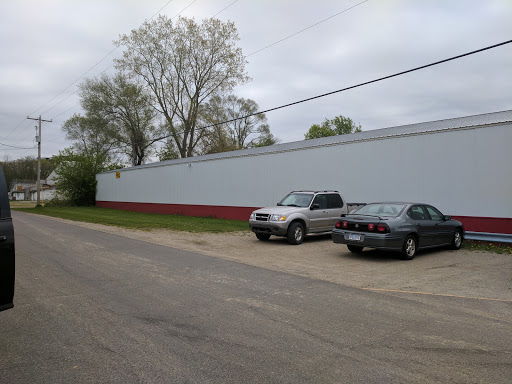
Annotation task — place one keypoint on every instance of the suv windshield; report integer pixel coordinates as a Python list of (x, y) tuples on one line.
[(389, 210), (297, 200)]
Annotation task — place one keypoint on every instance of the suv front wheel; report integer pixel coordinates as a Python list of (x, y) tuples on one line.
[(295, 233)]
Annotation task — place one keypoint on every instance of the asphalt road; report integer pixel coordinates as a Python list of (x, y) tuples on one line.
[(96, 307)]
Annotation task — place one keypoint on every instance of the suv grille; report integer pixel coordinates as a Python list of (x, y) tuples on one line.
[(262, 216)]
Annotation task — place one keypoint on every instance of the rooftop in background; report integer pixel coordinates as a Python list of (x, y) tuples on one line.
[(404, 130)]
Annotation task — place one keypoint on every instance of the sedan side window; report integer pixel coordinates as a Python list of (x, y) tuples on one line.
[(434, 213), (417, 213)]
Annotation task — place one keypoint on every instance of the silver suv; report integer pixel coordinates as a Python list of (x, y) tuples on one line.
[(299, 213)]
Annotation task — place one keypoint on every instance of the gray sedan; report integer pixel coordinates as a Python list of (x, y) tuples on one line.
[(403, 227)]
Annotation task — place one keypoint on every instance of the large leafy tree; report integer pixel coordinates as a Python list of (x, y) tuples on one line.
[(125, 110), (76, 175), (340, 125), (92, 135), (235, 125), (184, 64)]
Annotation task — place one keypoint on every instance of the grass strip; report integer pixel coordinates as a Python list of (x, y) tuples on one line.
[(485, 246), (148, 221), (138, 220)]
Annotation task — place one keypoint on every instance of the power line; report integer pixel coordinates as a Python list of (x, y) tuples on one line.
[(82, 76), (305, 29), (16, 127), (184, 9), (110, 66), (94, 66), (352, 87), (223, 9), (12, 146), (251, 54), (355, 86), (179, 13), (365, 83), (157, 12), (70, 85)]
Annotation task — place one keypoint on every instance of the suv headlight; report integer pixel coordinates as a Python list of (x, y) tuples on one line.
[(277, 218), (253, 216)]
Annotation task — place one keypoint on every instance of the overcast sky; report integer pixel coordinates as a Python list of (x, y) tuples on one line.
[(48, 45)]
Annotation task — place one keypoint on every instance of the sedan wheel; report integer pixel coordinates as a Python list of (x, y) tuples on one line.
[(457, 239), (409, 248)]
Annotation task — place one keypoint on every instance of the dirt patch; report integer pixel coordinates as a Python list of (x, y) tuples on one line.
[(446, 272)]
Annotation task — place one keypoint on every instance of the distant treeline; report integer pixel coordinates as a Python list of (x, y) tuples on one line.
[(25, 169)]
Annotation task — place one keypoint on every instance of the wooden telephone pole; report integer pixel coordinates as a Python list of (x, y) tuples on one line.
[(38, 186)]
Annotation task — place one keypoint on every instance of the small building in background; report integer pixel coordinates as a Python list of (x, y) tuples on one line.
[(26, 190)]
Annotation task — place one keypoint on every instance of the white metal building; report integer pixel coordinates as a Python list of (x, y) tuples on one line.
[(463, 166)]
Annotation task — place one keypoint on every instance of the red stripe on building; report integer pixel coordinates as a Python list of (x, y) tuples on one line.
[(471, 223), (217, 211), (486, 224)]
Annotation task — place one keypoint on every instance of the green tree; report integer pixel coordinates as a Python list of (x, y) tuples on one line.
[(168, 151), (25, 169), (76, 175), (184, 64), (340, 125), (265, 138), (240, 131), (92, 135), (126, 109)]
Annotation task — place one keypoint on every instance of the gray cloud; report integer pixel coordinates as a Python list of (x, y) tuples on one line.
[(48, 45)]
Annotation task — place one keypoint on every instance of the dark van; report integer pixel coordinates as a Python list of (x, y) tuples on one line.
[(6, 248)]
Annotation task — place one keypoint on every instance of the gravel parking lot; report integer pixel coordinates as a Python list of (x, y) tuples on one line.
[(442, 272)]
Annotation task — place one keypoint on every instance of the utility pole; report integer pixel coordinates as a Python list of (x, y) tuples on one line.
[(38, 185)]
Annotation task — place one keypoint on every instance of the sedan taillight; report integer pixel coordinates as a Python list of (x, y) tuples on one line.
[(383, 228)]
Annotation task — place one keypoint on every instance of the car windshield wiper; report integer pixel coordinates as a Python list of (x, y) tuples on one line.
[(292, 205), (279, 204)]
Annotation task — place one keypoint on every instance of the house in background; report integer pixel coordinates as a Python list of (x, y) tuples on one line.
[(26, 190)]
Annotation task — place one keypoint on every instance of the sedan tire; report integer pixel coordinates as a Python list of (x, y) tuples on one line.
[(457, 240), (409, 248), (295, 234)]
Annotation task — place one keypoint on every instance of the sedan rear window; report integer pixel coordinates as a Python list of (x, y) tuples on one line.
[(389, 210)]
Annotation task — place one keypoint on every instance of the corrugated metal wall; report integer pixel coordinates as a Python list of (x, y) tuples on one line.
[(465, 172)]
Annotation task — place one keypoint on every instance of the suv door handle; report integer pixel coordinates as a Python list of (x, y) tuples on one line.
[(3, 238)]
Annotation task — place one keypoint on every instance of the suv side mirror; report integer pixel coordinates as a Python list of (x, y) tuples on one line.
[(314, 206)]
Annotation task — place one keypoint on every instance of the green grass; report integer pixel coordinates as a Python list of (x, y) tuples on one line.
[(138, 220), (485, 246)]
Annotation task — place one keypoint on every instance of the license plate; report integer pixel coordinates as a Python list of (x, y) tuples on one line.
[(354, 236)]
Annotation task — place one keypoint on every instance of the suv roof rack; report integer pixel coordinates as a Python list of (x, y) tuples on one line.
[(315, 191)]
